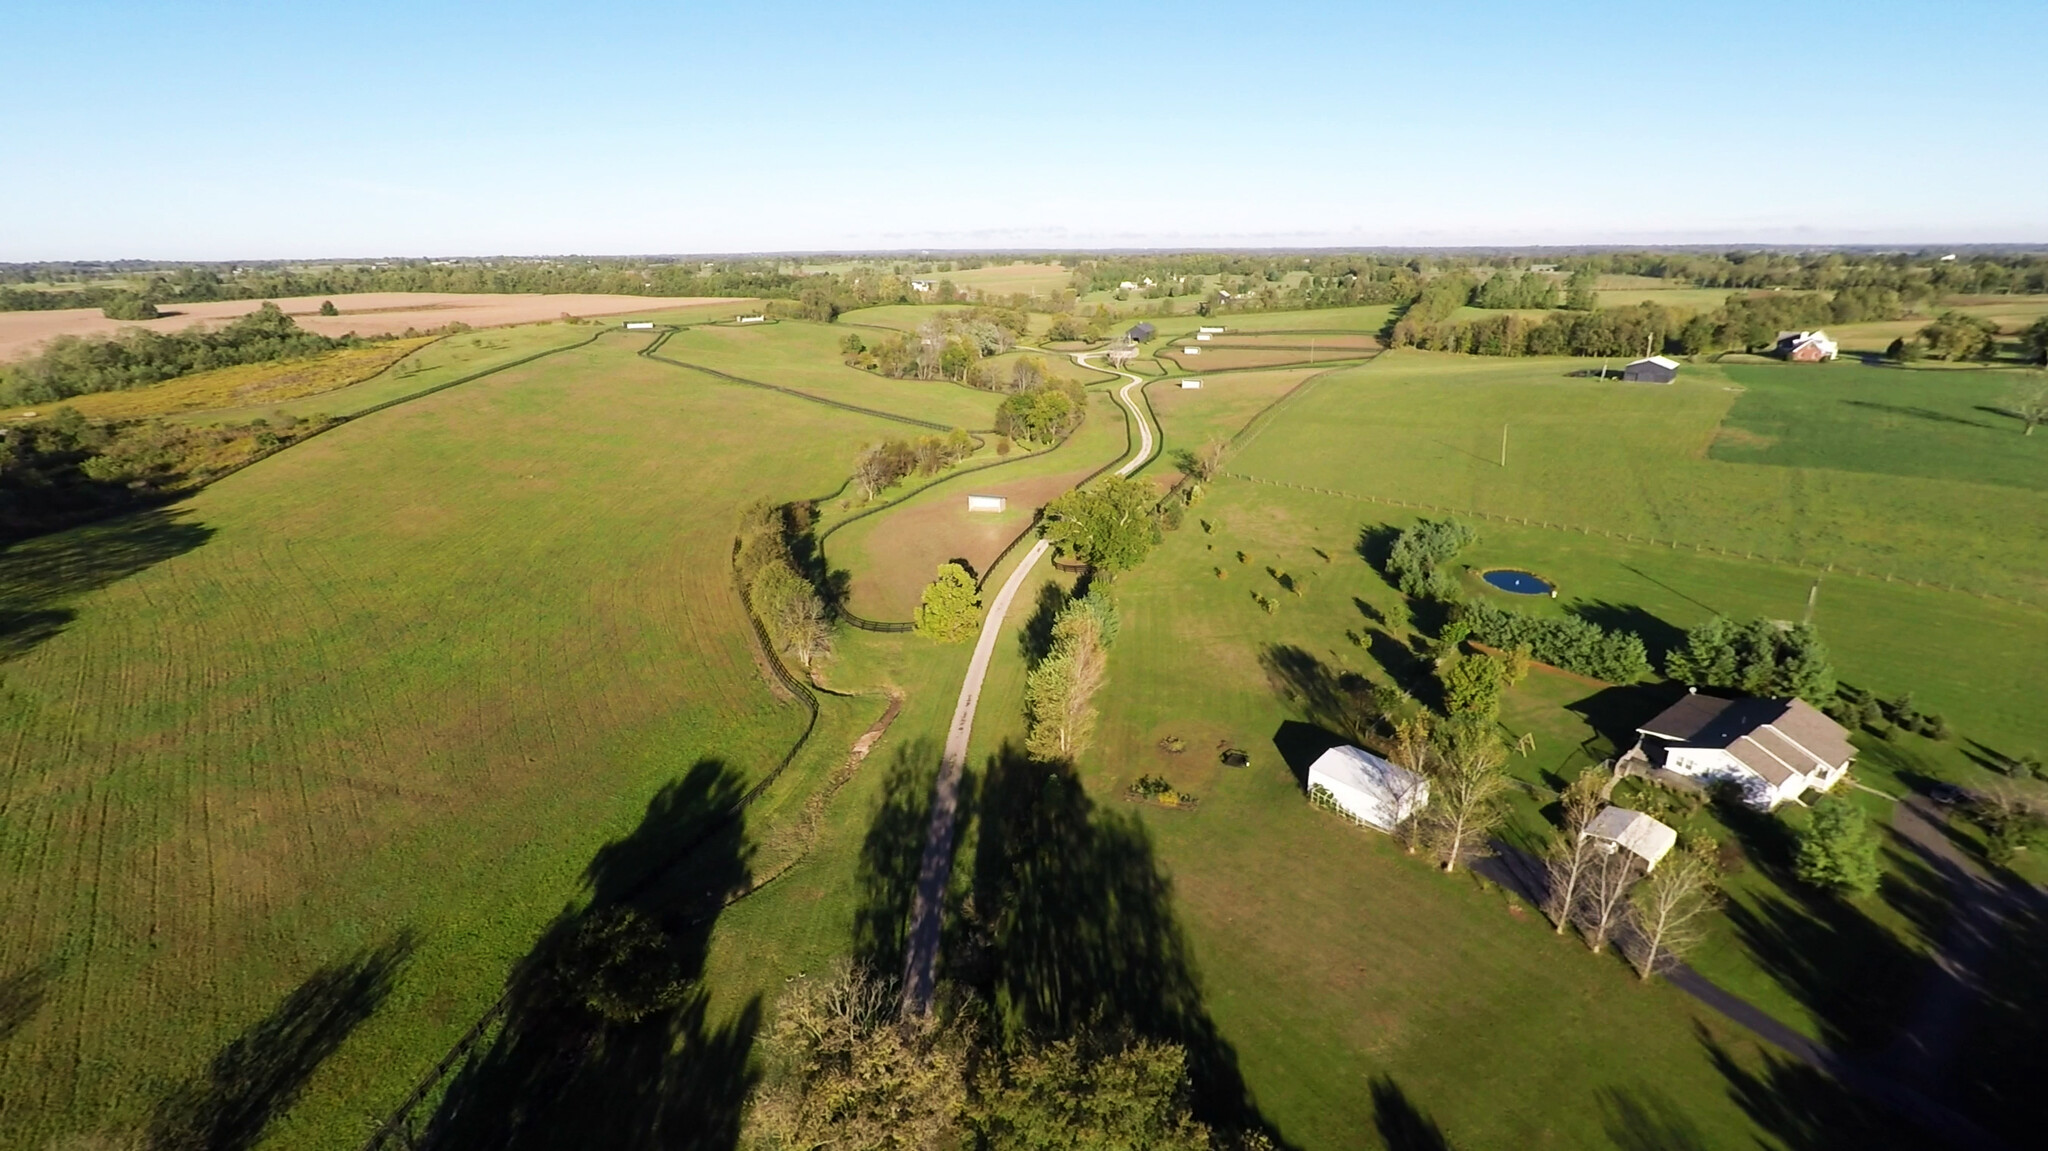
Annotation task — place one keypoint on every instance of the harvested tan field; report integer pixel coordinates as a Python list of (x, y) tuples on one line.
[(366, 314)]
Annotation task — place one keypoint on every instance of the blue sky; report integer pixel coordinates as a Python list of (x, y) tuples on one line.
[(227, 130)]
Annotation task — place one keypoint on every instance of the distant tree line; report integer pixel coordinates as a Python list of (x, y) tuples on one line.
[(1743, 322), (788, 604), (73, 365)]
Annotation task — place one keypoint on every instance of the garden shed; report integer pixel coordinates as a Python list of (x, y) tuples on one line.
[(1651, 370), (1618, 828), (1366, 787)]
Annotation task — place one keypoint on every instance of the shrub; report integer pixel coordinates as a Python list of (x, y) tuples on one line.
[(1574, 644), (1838, 851), (1419, 554)]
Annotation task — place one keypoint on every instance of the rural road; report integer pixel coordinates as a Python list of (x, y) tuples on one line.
[(935, 868)]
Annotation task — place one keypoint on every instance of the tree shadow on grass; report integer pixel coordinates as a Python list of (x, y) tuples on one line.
[(21, 997), (1338, 700), (1401, 1125), (1614, 713), (1659, 637), (885, 878), (1645, 1119), (1076, 931), (1034, 639), (559, 1074), (259, 1076), (39, 577), (1806, 1109)]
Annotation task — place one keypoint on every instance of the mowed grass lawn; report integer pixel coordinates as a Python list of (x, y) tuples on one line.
[(405, 679), (1642, 460), (1331, 962)]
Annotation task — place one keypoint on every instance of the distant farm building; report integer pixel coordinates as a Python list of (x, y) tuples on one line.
[(1207, 330), (1654, 370), (1773, 749), (1366, 787), (1806, 347), (1140, 332), (638, 325), (1191, 351), (1128, 286), (1202, 337), (751, 320), (922, 286), (1619, 829), (1191, 383), (987, 503)]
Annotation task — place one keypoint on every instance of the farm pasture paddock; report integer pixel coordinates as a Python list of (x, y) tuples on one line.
[(402, 680)]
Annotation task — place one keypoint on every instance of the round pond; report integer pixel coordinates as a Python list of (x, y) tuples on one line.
[(1516, 582)]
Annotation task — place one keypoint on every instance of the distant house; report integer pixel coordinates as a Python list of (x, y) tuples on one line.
[(1366, 787), (1191, 383), (1654, 370), (987, 503), (1619, 829), (922, 286), (1140, 332), (1806, 347), (1774, 749), (1128, 286)]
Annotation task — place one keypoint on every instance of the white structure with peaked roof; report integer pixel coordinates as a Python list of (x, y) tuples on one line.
[(1619, 829), (1807, 347), (1775, 749), (1368, 788)]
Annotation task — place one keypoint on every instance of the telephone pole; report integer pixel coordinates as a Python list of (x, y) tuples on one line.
[(1503, 445)]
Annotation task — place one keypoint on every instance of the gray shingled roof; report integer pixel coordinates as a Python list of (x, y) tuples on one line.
[(1773, 737)]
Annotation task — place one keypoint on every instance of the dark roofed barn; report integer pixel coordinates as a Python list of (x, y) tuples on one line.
[(1140, 332)]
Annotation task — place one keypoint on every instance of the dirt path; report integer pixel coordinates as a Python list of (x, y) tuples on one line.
[(935, 869)]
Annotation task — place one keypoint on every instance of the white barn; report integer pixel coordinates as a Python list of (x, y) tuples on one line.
[(1191, 383), (1619, 829), (639, 325), (987, 503), (1368, 788), (750, 319), (1208, 330), (1191, 351), (1774, 749), (1202, 337)]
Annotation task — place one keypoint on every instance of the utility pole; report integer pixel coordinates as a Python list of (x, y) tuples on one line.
[(1503, 445), (1812, 598)]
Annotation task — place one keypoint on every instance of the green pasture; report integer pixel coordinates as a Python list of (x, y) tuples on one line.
[(1191, 417), (1677, 299), (805, 355), (1883, 420), (1636, 459), (401, 682), (437, 363)]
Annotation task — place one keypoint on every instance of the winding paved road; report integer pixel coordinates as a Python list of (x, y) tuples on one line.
[(934, 870)]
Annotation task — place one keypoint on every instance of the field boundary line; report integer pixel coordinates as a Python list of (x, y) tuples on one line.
[(653, 352), (1819, 568)]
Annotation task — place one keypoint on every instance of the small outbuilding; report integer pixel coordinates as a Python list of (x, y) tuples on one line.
[(1140, 332), (987, 503), (1619, 829), (1203, 337), (639, 325), (1209, 329), (922, 286), (1191, 351), (750, 319), (1653, 370), (1366, 787), (1191, 383)]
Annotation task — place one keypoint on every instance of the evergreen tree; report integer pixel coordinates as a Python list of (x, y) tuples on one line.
[(1838, 849), (950, 608)]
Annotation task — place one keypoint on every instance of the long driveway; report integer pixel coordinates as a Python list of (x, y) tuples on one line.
[(935, 869)]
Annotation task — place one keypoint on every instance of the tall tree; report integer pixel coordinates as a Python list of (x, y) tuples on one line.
[(950, 608), (1667, 908), (1605, 904), (1110, 526), (1465, 787), (2029, 406), (1572, 855), (1059, 693)]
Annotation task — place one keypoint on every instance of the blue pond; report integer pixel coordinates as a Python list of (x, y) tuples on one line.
[(1516, 582)]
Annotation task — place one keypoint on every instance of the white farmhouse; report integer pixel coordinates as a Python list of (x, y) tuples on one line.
[(1774, 749), (1366, 787), (1619, 829)]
